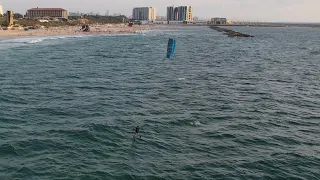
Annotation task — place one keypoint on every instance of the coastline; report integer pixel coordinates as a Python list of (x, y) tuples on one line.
[(110, 29), (74, 30)]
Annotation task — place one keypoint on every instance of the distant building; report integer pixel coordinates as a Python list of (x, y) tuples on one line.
[(196, 19), (144, 14), (75, 14), (219, 20), (171, 13), (160, 22), (201, 22), (179, 22), (1, 9), (161, 18), (116, 14), (47, 12), (180, 13), (175, 22), (229, 22)]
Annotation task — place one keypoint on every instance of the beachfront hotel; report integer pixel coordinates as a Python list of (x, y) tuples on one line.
[(180, 13), (144, 14), (47, 12)]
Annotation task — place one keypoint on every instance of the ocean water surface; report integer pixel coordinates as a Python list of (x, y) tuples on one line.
[(222, 108)]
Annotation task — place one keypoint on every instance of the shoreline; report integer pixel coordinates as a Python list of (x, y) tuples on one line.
[(113, 29), (74, 30)]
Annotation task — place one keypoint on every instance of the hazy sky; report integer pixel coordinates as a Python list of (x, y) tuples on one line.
[(254, 10)]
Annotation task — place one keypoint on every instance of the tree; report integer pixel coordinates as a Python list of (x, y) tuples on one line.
[(3, 22), (18, 16)]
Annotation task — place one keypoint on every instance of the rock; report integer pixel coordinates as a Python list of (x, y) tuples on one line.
[(229, 32)]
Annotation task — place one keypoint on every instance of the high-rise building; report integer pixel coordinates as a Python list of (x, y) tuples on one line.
[(1, 9), (170, 13), (180, 13), (144, 14)]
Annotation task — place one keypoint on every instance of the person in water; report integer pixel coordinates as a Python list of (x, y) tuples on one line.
[(137, 132)]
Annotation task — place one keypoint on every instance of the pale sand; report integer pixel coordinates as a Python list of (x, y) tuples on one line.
[(75, 30)]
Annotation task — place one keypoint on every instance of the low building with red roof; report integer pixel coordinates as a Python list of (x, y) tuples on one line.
[(47, 12)]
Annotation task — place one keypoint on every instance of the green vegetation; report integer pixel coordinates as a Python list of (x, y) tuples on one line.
[(26, 22), (72, 21), (32, 22), (101, 19), (17, 16), (3, 22)]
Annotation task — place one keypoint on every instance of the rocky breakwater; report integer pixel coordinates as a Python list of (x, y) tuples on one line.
[(229, 32)]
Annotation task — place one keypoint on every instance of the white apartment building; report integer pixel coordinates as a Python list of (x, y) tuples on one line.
[(144, 14)]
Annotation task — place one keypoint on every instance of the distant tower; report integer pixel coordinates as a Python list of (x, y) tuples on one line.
[(10, 18), (1, 9)]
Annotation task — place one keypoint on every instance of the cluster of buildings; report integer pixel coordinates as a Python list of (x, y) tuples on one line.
[(180, 13), (174, 13)]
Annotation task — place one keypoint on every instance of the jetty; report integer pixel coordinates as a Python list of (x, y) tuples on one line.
[(229, 32)]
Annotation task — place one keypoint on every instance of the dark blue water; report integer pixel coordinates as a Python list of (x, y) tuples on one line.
[(222, 108)]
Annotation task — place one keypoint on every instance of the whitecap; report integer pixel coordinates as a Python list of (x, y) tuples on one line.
[(35, 41), (195, 123)]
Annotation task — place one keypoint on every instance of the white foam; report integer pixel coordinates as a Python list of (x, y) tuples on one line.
[(35, 41), (195, 123), (26, 41), (120, 34), (182, 79)]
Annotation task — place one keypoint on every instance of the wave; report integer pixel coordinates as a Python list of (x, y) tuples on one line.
[(116, 35), (315, 52), (35, 41), (8, 149), (29, 41), (16, 42), (6, 43)]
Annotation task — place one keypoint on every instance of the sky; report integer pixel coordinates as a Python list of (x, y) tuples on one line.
[(237, 10)]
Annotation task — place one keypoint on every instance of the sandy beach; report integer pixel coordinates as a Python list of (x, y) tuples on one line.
[(75, 30)]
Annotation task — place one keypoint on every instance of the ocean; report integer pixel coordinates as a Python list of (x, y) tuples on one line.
[(222, 108)]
